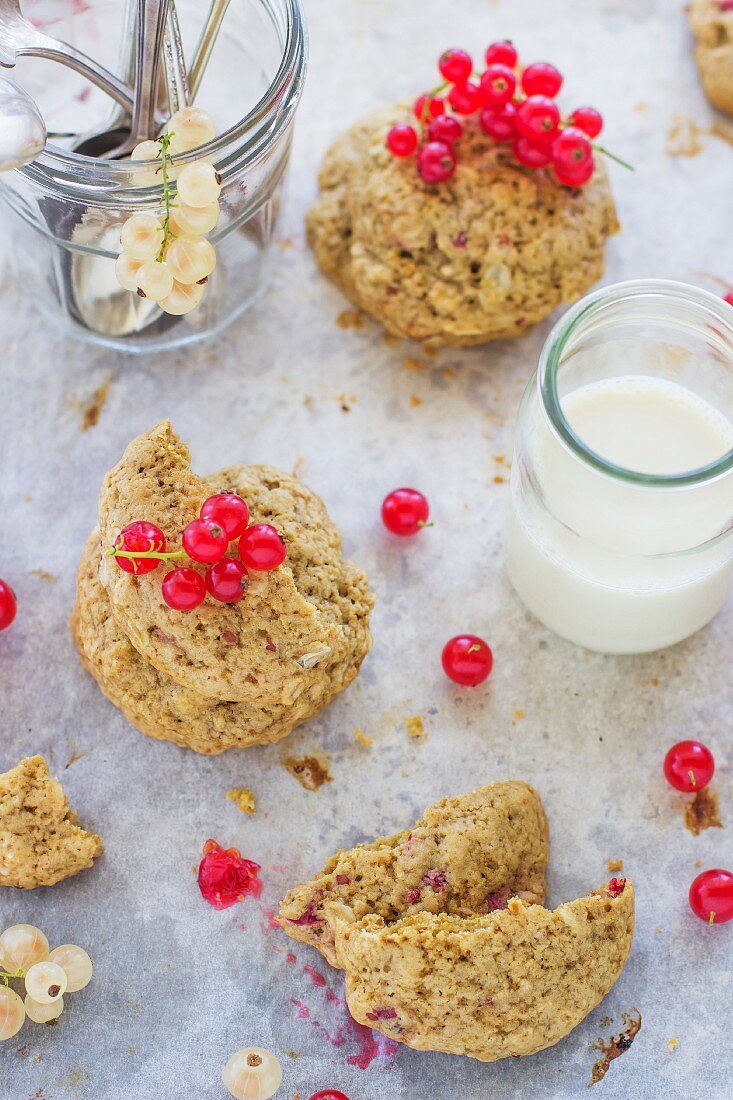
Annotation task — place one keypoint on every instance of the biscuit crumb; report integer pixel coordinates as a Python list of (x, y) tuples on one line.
[(519, 714), (701, 812), (43, 575), (685, 138), (363, 738), (414, 364), (350, 318), (498, 479), (310, 771), (698, 863), (92, 410), (243, 799), (415, 727), (672, 1045), (616, 1046), (448, 372), (415, 400), (615, 865)]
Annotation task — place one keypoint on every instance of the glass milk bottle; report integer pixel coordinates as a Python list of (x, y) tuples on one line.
[(620, 527)]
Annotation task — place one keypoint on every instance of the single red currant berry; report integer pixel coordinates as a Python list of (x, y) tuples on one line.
[(531, 154), (576, 177), (501, 53), (226, 510), (402, 141), (405, 511), (587, 119), (183, 589), (538, 118), (498, 84), (500, 124), (541, 79), (465, 98), (140, 536), (689, 766), (455, 66), (467, 660), (436, 162), (226, 580), (711, 896), (427, 107), (205, 541), (729, 298), (262, 547), (225, 878), (571, 149), (445, 128), (329, 1094), (8, 605)]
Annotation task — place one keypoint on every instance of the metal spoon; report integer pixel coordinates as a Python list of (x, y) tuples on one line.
[(209, 34), (22, 129), (151, 20), (19, 38)]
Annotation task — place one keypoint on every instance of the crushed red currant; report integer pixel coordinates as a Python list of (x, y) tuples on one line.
[(262, 547), (616, 887), (689, 766), (711, 896), (228, 511), (405, 511), (183, 589), (142, 537), (225, 877), (226, 580), (8, 605), (205, 541), (455, 66), (402, 141), (467, 660)]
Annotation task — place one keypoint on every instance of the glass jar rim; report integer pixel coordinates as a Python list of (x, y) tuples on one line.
[(708, 306), (282, 95)]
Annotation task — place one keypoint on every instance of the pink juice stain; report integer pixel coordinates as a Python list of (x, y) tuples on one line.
[(370, 1044), (291, 958), (303, 1010), (316, 977)]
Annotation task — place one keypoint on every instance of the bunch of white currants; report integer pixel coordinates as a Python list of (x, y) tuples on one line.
[(24, 954), (167, 258)]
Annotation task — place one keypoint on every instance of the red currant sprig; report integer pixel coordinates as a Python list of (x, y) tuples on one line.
[(142, 546), (8, 605), (516, 107)]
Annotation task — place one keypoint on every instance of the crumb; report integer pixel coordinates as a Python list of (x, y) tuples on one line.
[(498, 479), (92, 410), (362, 737), (616, 1046), (685, 138), (43, 575), (310, 771), (448, 372), (308, 401), (415, 400), (499, 459), (390, 339), (414, 364), (701, 812), (292, 1053), (350, 318), (672, 1045), (657, 929), (519, 714), (698, 863), (243, 799), (415, 726), (615, 865), (346, 402)]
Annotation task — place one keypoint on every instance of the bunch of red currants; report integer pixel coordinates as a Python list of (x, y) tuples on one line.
[(515, 107)]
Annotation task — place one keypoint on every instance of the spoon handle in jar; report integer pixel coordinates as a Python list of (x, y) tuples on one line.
[(174, 62), (212, 26), (152, 15)]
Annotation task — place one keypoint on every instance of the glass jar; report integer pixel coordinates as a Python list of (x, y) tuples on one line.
[(620, 527), (67, 209)]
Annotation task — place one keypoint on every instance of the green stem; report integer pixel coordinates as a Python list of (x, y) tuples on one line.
[(608, 153), (159, 555), (5, 975), (426, 105), (165, 159)]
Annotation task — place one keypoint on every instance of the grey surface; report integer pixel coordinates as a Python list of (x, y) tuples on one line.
[(178, 986)]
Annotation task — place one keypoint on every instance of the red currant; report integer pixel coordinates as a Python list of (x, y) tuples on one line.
[(587, 119), (329, 1094), (711, 896), (465, 98), (405, 511), (140, 536), (183, 589), (541, 79), (498, 84), (616, 887), (500, 124), (538, 118), (501, 53), (427, 107), (467, 660), (455, 66), (571, 149), (228, 511), (402, 141), (436, 162), (577, 176), (8, 605), (445, 128), (225, 878), (729, 298), (531, 154), (689, 766), (262, 547), (226, 580), (205, 541)]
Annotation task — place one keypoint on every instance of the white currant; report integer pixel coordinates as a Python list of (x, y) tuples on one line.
[(146, 150), (21, 946), (193, 221), (155, 280), (191, 259), (126, 270), (190, 127), (198, 184), (45, 982), (12, 1013), (252, 1074), (43, 1013), (142, 237), (75, 962), (183, 298)]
